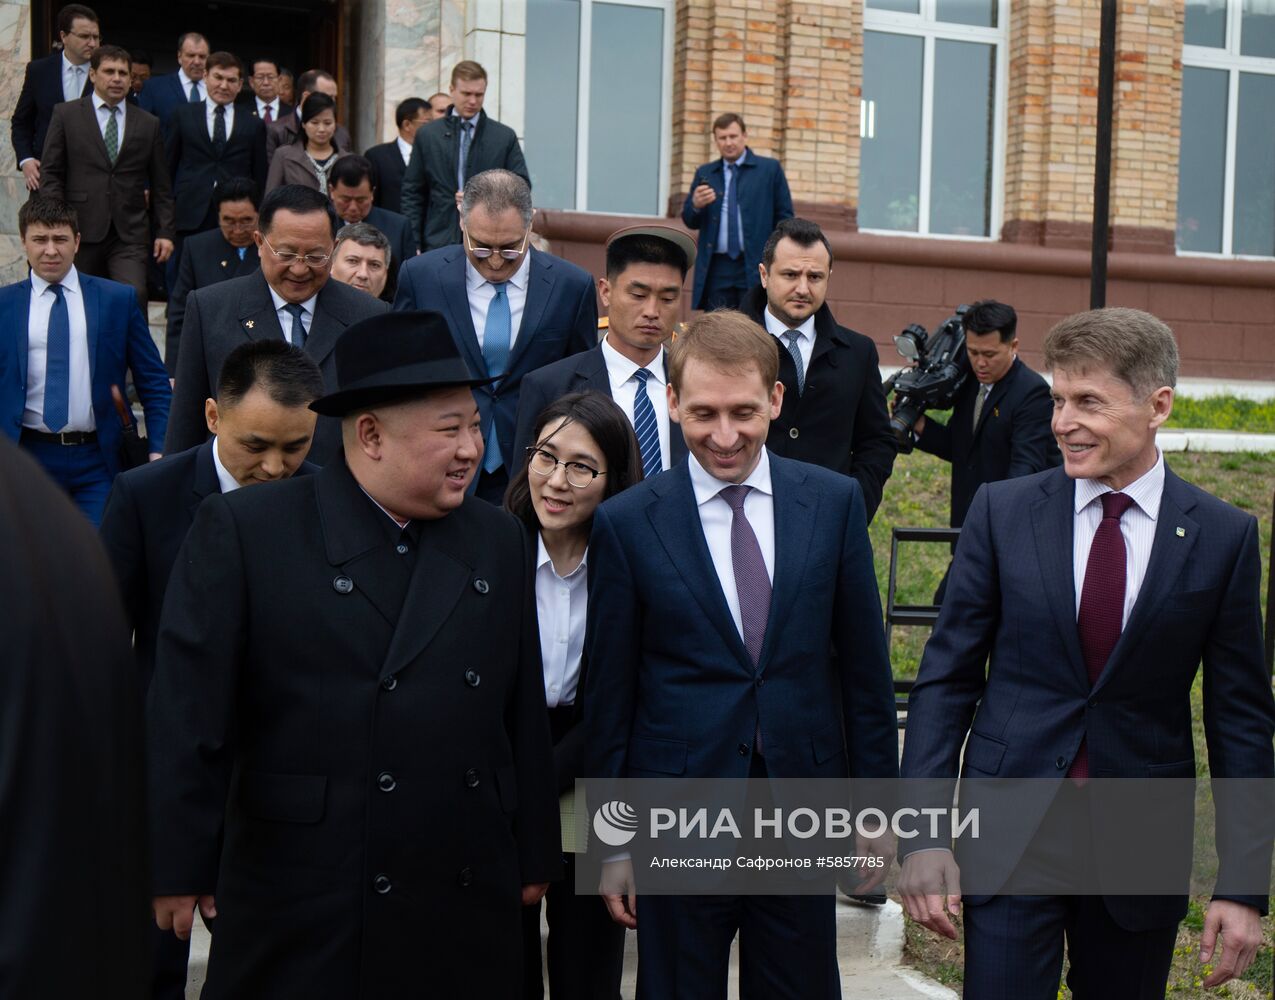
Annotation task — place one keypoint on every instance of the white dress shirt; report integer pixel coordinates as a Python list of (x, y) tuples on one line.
[(104, 117), (723, 236), (624, 388), (186, 81), (79, 413), (285, 317), (805, 339), (1137, 526), (715, 516), (210, 108), (481, 292), (73, 78), (272, 105), (404, 150), (561, 603), (225, 480)]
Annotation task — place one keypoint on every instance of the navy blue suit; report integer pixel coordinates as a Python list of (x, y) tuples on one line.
[(559, 319), (764, 202), (41, 90), (161, 96), (672, 691), (119, 342), (1011, 595)]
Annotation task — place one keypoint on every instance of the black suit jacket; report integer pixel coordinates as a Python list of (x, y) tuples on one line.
[(577, 373), (71, 790), (197, 167), (841, 421), (369, 731), (397, 231), (76, 169), (248, 101), (225, 315), (41, 90), (206, 259), (390, 168), (148, 514), (1013, 437)]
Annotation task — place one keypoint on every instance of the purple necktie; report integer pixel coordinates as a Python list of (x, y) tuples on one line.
[(752, 582), (1101, 615)]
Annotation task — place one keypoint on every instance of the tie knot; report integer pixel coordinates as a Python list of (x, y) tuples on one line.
[(735, 496), (499, 286), (1115, 504), (642, 374), (792, 336), (296, 308), (219, 110), (467, 126), (56, 289)]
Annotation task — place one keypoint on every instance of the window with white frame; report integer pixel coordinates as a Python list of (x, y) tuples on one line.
[(1226, 162), (597, 120), (931, 132)]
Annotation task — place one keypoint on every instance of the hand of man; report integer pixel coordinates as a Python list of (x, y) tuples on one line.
[(702, 196), (31, 174), (163, 250), (882, 847), (155, 456), (177, 913), (534, 892), (918, 428), (930, 885), (619, 892), (1241, 929)]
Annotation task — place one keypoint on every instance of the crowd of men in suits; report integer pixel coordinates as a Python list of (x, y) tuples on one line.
[(338, 633)]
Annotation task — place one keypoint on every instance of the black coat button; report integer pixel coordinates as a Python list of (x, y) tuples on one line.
[(761, 681), (471, 777), (385, 782), (1093, 702), (466, 877), (481, 585), (390, 683), (343, 585), (793, 433), (743, 749), (382, 884), (472, 678), (401, 549), (1060, 763)]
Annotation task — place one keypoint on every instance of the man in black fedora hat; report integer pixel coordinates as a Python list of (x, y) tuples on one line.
[(350, 765)]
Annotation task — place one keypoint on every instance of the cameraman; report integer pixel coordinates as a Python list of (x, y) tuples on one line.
[(1000, 425)]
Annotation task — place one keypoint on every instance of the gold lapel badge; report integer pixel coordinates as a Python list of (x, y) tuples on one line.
[(223, 263), (1181, 532), (248, 323)]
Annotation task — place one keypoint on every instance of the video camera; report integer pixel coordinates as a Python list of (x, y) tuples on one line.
[(940, 367)]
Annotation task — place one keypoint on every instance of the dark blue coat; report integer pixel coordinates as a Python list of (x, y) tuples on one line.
[(41, 90), (161, 96)]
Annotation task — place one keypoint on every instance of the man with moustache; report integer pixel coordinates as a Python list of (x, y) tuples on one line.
[(362, 258), (350, 758)]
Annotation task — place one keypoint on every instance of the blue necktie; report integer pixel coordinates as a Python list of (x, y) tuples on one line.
[(466, 136), (194, 93), (298, 328), (57, 371), (646, 427), (496, 353), (732, 209), (793, 339), (242, 252)]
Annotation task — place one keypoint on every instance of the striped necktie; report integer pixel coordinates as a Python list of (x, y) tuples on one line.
[(112, 137), (646, 427)]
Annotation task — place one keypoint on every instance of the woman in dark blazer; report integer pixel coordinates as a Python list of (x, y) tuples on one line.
[(585, 452), (309, 159)]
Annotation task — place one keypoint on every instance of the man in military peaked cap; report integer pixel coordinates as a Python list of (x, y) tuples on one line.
[(350, 764)]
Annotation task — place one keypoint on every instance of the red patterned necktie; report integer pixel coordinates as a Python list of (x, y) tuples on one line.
[(1101, 603)]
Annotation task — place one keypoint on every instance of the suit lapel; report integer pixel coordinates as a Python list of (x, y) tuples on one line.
[(794, 531), (88, 122), (676, 442), (540, 280), (675, 517), (24, 332), (92, 322), (1053, 520), (205, 483), (998, 393), (325, 326), (456, 298), (1169, 553), (257, 317)]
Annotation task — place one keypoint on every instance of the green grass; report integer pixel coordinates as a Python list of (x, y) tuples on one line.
[(1224, 413)]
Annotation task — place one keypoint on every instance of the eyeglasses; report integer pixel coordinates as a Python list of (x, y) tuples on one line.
[(239, 223), (308, 259), (482, 253), (543, 464), (86, 37)]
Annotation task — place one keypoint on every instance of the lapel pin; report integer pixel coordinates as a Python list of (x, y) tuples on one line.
[(223, 263), (996, 411), (1181, 532), (249, 324)]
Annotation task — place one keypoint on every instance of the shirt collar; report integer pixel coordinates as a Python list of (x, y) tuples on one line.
[(777, 326), (71, 283), (473, 120), (225, 480), (402, 525), (99, 102), (706, 487), (404, 146), (620, 369), (280, 302), (186, 81), (743, 157), (262, 105), (475, 281), (543, 560), (1145, 491), (67, 64)]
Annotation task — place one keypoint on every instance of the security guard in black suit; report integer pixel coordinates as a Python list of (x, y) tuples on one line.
[(350, 761)]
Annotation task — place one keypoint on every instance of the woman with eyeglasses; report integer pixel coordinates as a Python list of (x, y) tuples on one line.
[(585, 452), (309, 160)]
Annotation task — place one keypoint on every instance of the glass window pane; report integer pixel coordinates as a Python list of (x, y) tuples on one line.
[(902, 6), (977, 12), (1206, 23), (1202, 159), (553, 69), (1253, 229), (890, 147), (1257, 29), (961, 152), (626, 99)]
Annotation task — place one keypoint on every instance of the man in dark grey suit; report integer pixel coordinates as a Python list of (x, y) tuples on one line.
[(390, 158), (642, 292), (290, 298), (446, 152), (511, 309)]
